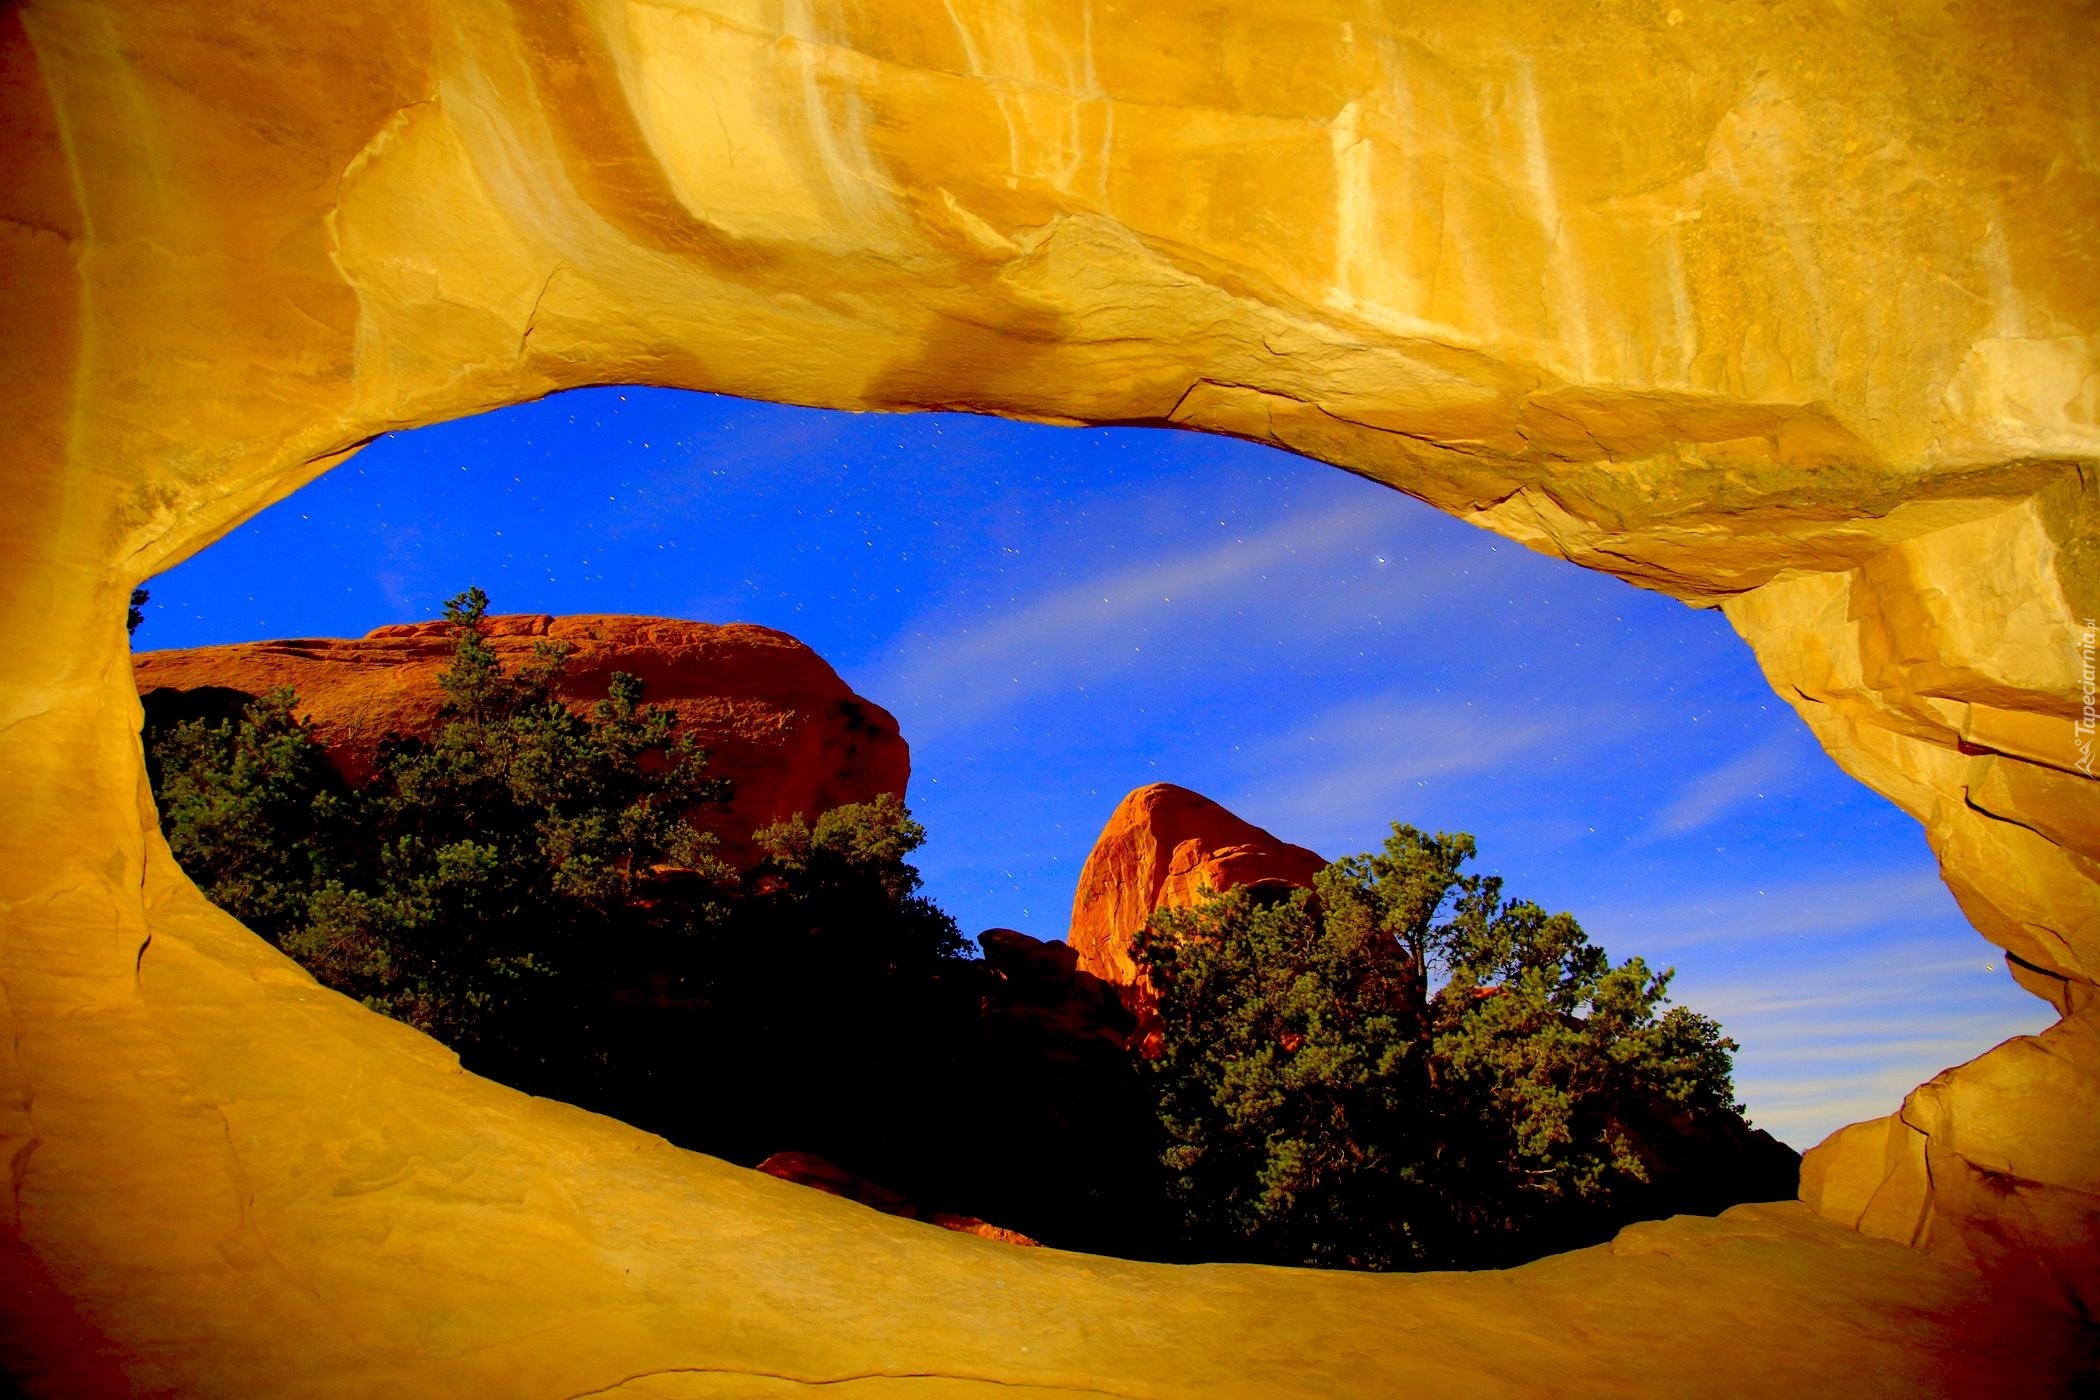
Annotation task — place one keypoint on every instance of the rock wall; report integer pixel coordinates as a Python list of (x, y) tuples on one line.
[(774, 718), (1783, 308)]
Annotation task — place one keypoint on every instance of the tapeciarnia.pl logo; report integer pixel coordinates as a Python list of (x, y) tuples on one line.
[(2089, 710)]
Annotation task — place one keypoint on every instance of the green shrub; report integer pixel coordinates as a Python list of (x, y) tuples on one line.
[(1402, 1069)]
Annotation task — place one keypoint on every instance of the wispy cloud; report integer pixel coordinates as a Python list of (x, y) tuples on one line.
[(1350, 766), (1116, 621), (1772, 767), (1748, 917), (1803, 1112)]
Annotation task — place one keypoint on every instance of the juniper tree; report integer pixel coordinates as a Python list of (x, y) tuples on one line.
[(1402, 1068)]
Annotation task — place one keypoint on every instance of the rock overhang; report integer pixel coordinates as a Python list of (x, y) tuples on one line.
[(1769, 310)]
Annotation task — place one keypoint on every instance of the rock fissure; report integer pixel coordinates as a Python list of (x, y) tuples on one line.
[(37, 230), (532, 315), (18, 1171)]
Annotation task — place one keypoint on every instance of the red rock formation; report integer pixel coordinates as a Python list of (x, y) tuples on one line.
[(1162, 847), (774, 718), (808, 1169)]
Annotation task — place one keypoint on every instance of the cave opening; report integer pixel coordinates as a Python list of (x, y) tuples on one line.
[(1057, 616)]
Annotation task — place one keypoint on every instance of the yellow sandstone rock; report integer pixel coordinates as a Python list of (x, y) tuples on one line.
[(1786, 308)]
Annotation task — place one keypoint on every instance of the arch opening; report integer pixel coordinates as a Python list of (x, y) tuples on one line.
[(1059, 616)]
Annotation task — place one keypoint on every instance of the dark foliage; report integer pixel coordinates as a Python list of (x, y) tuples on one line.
[(523, 885), (1402, 1069), (492, 885)]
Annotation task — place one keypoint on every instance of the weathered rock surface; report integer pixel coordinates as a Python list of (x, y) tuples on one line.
[(775, 719), (1783, 307), (807, 1169), (1948, 1174), (1163, 848)]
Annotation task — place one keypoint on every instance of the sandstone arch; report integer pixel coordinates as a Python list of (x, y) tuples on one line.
[(1776, 309)]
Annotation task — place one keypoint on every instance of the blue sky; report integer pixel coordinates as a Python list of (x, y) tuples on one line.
[(1056, 616)]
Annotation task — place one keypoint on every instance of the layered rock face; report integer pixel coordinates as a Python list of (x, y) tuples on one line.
[(775, 719), (1777, 308), (1164, 847)]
